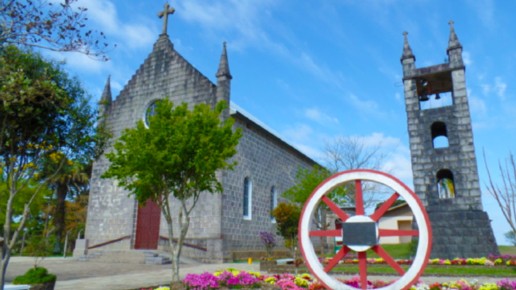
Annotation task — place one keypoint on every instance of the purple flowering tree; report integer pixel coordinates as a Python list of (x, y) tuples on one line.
[(269, 241)]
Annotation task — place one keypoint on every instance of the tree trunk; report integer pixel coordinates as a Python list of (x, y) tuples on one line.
[(184, 223), (5, 254), (59, 215)]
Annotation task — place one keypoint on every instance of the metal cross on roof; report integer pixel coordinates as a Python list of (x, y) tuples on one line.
[(164, 14)]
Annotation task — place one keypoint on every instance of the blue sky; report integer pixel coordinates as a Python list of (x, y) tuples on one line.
[(313, 71)]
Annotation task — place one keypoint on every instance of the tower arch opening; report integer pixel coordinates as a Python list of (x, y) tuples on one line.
[(445, 184), (439, 135), (434, 90)]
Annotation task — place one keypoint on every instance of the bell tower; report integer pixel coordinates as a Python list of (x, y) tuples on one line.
[(443, 157)]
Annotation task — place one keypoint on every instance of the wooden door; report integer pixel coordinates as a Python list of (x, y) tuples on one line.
[(147, 226)]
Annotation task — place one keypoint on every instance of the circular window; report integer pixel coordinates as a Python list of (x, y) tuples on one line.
[(149, 112)]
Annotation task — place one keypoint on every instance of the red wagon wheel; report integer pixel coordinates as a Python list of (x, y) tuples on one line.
[(364, 229)]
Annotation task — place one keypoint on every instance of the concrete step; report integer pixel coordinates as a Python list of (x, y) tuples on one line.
[(153, 257)]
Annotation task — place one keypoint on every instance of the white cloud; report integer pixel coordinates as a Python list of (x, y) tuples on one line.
[(477, 105), (243, 18), (316, 115), (301, 132), (498, 87), (466, 57), (104, 14), (368, 107)]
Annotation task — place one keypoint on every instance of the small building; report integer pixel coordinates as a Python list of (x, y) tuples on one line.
[(398, 217)]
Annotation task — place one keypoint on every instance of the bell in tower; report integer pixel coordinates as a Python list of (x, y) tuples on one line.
[(444, 164)]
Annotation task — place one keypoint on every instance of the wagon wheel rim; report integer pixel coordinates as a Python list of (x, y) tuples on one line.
[(423, 233)]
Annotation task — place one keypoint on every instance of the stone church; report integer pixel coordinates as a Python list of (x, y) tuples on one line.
[(221, 223)]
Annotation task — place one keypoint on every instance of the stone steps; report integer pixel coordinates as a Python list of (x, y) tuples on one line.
[(134, 256)]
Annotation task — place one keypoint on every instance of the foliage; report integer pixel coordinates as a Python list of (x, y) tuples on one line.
[(75, 218), (39, 247), (49, 25), (36, 275), (179, 155), (306, 181), (287, 219), (504, 192), (269, 241), (511, 237), (43, 112), (71, 180), (24, 194)]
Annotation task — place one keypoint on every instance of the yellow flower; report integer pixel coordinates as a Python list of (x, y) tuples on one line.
[(271, 280)]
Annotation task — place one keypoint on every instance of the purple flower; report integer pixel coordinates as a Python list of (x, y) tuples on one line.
[(202, 281), (507, 284)]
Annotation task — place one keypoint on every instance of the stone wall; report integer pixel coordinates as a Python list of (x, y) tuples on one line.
[(268, 162)]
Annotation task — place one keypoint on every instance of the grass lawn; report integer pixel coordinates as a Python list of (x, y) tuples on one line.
[(507, 250), (402, 251)]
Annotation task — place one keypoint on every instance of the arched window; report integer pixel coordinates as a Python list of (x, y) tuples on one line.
[(248, 197), (150, 111), (439, 135), (445, 184), (274, 202)]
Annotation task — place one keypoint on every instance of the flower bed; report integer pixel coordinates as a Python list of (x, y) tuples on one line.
[(504, 260), (235, 279)]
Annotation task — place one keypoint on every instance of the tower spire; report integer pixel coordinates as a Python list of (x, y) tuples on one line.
[(223, 70), (454, 40), (407, 51), (105, 99)]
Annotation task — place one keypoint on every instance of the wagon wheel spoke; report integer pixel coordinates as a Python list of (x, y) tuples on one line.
[(397, 233), (335, 260), (326, 233), (359, 198), (382, 253), (384, 207), (362, 265), (335, 208)]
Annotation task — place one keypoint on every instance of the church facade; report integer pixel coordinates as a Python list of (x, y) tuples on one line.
[(221, 223)]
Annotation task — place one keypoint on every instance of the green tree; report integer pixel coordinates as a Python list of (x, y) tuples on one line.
[(306, 181), (287, 217), (177, 155), (42, 112), (49, 25), (69, 181), (511, 237)]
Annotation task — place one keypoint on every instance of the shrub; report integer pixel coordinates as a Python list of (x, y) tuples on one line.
[(36, 275)]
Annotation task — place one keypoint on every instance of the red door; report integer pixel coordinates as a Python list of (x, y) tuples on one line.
[(147, 226)]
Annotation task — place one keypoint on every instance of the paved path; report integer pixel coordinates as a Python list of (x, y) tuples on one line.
[(77, 275)]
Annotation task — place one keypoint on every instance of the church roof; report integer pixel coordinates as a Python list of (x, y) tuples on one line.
[(237, 112)]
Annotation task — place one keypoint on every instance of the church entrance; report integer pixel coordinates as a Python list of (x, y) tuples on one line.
[(147, 226)]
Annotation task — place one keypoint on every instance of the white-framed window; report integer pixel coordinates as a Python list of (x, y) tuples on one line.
[(248, 199), (274, 202)]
